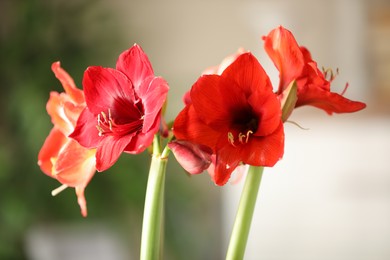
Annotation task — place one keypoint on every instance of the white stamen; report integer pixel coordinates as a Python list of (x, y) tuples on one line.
[(58, 190)]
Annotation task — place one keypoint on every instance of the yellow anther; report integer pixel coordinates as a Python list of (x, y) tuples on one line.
[(104, 116), (231, 138)]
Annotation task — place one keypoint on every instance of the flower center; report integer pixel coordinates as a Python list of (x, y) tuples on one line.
[(245, 124), (106, 125), (242, 138)]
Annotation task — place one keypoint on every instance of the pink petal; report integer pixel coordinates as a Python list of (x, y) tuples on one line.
[(141, 141), (107, 88), (153, 93), (135, 65), (109, 150), (192, 157), (86, 132)]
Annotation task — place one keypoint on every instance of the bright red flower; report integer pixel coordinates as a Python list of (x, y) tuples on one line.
[(237, 115), (123, 107), (295, 63), (216, 70), (61, 157)]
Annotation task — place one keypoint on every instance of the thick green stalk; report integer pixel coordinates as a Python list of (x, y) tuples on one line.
[(151, 248), (242, 223)]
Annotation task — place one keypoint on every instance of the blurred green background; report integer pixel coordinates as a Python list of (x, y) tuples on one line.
[(79, 34)]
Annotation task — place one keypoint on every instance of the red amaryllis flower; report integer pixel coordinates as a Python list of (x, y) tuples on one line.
[(216, 70), (295, 63), (195, 158), (61, 157), (123, 107), (237, 115)]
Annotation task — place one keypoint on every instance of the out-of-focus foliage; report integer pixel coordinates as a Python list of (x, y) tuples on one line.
[(33, 34)]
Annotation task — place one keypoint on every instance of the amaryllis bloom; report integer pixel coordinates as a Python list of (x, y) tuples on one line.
[(61, 157), (216, 70), (123, 107), (296, 64), (237, 115), (195, 158)]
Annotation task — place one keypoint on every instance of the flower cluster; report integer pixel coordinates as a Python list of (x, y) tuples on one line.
[(232, 116), (235, 113), (118, 111)]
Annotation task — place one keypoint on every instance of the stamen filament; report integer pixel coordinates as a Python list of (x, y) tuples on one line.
[(247, 135), (58, 190)]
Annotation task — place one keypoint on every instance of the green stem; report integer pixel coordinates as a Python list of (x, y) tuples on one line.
[(242, 224), (154, 207)]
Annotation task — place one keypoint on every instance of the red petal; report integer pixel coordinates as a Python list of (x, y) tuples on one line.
[(248, 74), (259, 151), (216, 99), (285, 53), (67, 83), (267, 106), (153, 92), (264, 151), (86, 132), (188, 126), (328, 101), (109, 150), (107, 88), (141, 141), (50, 149), (227, 159), (135, 64)]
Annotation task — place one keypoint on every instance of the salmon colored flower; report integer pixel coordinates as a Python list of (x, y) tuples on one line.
[(296, 64), (237, 115), (61, 157), (123, 108)]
